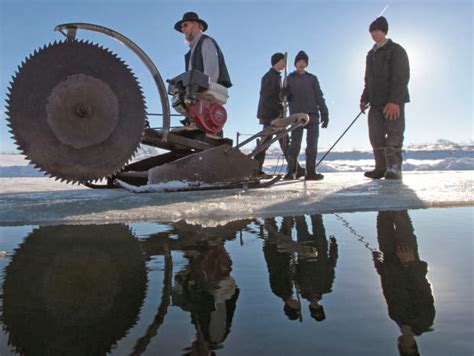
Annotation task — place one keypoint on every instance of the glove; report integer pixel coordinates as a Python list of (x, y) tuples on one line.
[(324, 122)]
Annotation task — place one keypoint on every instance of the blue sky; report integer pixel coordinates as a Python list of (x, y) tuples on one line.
[(438, 36)]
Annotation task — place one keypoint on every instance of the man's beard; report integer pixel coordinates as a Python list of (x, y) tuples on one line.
[(189, 37)]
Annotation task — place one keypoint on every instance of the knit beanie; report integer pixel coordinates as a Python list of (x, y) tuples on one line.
[(380, 23), (302, 56), (276, 57)]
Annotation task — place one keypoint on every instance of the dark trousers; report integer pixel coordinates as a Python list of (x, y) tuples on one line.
[(260, 157), (312, 135), (384, 133)]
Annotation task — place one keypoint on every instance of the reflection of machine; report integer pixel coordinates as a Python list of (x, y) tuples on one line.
[(73, 290), (78, 113), (78, 289)]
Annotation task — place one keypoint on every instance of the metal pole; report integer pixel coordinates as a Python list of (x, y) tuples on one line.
[(335, 143), (285, 83)]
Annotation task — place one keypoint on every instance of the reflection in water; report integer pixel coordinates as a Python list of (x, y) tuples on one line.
[(305, 266), (204, 287), (405, 286), (79, 289), (73, 290)]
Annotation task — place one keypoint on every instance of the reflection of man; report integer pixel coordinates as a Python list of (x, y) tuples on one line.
[(405, 287), (309, 263), (204, 53), (315, 276), (206, 289), (279, 265)]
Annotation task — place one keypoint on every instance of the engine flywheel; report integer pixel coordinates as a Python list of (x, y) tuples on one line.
[(76, 111)]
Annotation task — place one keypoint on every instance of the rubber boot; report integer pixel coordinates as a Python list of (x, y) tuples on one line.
[(311, 172), (380, 165), (394, 163), (300, 171), (291, 173)]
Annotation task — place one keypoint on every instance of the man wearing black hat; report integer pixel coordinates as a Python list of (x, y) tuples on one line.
[(204, 54), (305, 96), (387, 73), (270, 104)]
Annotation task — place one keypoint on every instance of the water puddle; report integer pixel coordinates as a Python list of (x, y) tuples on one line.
[(366, 283)]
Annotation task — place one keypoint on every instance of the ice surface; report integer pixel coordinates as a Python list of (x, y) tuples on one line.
[(43, 200)]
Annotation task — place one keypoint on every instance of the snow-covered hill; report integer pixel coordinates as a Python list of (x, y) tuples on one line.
[(441, 156)]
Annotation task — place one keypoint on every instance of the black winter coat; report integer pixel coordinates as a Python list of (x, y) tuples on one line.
[(387, 73), (270, 105), (305, 95)]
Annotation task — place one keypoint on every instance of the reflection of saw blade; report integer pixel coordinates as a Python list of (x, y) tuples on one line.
[(67, 278), (76, 111)]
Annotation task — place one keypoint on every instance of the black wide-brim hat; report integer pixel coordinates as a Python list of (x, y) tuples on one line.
[(190, 16)]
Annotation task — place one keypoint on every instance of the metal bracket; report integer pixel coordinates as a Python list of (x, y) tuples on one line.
[(71, 33)]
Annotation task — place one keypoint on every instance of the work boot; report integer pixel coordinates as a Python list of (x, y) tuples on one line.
[(394, 163), (311, 171), (291, 173), (313, 176), (380, 165), (300, 171)]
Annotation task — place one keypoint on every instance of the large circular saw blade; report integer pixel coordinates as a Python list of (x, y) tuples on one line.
[(76, 111)]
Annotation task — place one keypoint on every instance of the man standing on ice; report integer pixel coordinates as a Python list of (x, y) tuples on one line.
[(270, 106), (387, 73), (305, 96)]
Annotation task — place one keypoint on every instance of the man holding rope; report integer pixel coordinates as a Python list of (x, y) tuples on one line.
[(387, 74)]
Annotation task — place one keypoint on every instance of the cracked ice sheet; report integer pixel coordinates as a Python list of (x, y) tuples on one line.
[(44, 201)]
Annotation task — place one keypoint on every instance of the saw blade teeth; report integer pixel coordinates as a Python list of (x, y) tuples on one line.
[(25, 76)]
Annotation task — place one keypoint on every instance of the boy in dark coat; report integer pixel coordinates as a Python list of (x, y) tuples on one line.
[(305, 96), (387, 74), (270, 105)]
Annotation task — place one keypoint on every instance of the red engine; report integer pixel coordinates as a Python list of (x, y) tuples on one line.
[(210, 117)]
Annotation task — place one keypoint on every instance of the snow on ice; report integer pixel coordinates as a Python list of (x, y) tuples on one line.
[(434, 176)]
